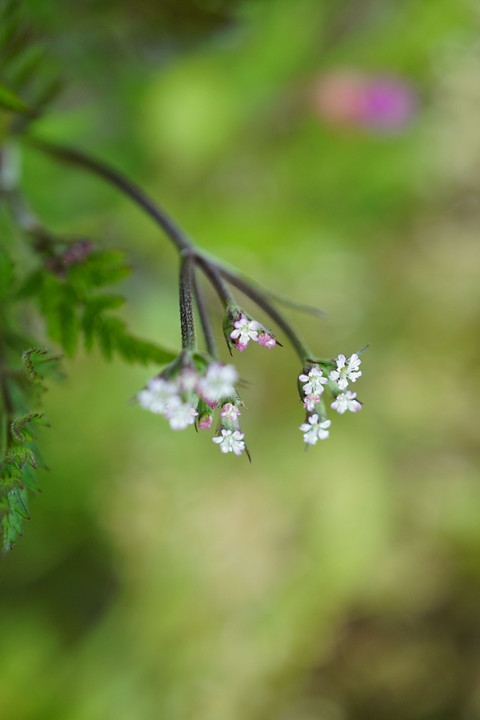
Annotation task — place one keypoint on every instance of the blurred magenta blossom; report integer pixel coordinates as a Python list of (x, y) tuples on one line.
[(375, 102)]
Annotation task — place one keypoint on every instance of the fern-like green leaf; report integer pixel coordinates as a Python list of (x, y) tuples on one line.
[(22, 429), (39, 366), (13, 509)]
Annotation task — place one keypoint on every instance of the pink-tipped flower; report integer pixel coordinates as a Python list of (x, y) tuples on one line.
[(241, 346), (315, 429), (230, 412), (346, 401), (230, 441), (310, 402), (179, 414), (266, 340), (244, 331)]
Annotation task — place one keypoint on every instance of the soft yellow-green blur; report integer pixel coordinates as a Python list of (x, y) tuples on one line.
[(161, 580)]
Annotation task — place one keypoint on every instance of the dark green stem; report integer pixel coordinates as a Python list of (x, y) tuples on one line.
[(186, 303), (204, 319), (74, 157), (213, 274)]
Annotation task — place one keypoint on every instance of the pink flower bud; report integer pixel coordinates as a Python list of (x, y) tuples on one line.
[(266, 341), (205, 422)]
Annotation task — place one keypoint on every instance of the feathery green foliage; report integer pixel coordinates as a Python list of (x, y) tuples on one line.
[(68, 285), (69, 288), (20, 456)]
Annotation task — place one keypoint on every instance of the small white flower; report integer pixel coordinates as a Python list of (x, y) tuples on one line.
[(218, 382), (187, 380), (310, 402), (314, 382), (346, 370), (230, 412), (245, 330), (157, 395), (230, 441), (179, 414), (315, 430), (346, 401)]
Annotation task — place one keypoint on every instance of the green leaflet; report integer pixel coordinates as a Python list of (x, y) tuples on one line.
[(23, 428), (17, 477), (39, 365), (10, 101), (73, 304), (28, 83), (13, 510), (6, 275)]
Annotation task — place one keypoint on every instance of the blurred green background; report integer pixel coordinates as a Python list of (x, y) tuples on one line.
[(161, 579)]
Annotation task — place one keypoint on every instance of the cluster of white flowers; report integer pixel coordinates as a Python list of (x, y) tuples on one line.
[(190, 395), (189, 390), (177, 398), (246, 329), (316, 426)]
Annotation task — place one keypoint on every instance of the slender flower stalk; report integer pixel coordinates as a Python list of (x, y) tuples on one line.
[(208, 334), (186, 302), (210, 270)]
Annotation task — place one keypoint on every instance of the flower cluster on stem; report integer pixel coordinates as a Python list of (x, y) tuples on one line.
[(189, 390), (334, 377), (190, 393), (240, 329)]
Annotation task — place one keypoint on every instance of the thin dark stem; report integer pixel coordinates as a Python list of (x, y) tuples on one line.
[(213, 272), (186, 303), (204, 319), (301, 349), (215, 277), (70, 155)]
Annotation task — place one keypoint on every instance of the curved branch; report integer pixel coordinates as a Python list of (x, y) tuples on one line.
[(74, 157)]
